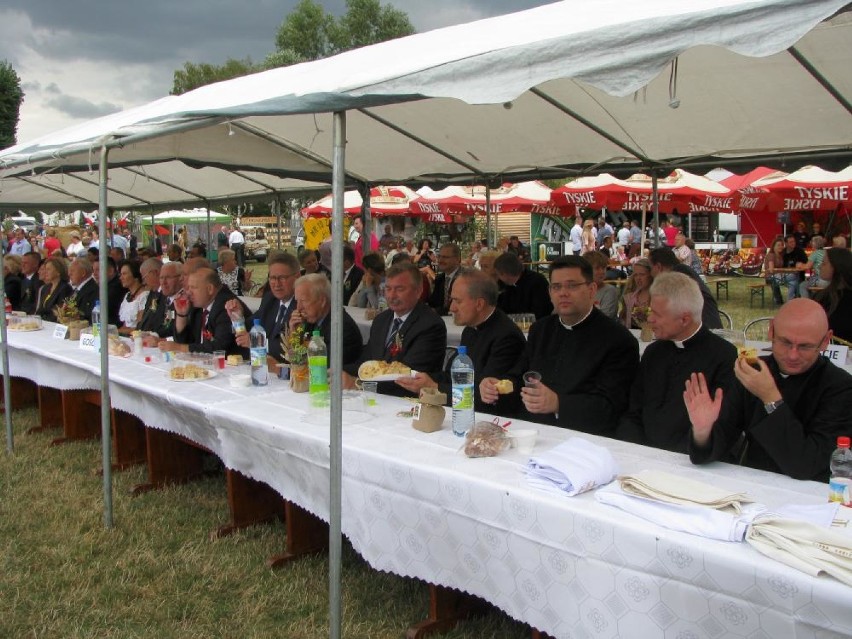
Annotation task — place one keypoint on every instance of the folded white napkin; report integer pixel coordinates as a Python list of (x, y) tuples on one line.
[(672, 489), (726, 525), (804, 546), (572, 467)]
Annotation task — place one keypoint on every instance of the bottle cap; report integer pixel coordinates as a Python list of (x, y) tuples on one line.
[(316, 333), (257, 321), (843, 442), (462, 350)]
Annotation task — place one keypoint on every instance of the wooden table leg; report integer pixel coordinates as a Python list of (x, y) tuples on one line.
[(306, 535), (81, 416), (24, 393), (447, 607), (49, 409), (171, 460), (251, 502), (128, 440)]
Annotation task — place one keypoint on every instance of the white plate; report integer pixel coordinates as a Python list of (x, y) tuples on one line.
[(210, 375), (383, 378)]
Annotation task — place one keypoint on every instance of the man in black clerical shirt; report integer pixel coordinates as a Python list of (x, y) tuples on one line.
[(791, 408), (585, 358), (521, 290), (657, 415), (493, 341)]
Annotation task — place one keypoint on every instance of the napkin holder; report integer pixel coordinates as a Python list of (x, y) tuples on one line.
[(429, 412)]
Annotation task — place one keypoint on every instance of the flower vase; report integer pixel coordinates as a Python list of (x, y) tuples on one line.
[(300, 379), (647, 333)]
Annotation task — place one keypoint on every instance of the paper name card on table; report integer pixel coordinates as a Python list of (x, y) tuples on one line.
[(60, 331), (90, 342), (836, 354)]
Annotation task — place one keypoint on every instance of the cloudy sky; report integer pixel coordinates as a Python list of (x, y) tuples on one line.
[(82, 59)]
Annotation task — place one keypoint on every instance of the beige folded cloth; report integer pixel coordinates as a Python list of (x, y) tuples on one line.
[(803, 546), (671, 489)]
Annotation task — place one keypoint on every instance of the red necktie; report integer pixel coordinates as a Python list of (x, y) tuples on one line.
[(204, 331)]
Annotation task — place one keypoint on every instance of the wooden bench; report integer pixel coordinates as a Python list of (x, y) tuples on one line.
[(757, 290), (721, 283)]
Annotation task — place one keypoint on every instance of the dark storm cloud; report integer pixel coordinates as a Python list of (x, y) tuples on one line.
[(75, 107)]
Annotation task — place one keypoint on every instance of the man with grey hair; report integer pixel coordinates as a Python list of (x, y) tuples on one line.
[(85, 287), (313, 311), (656, 415), (158, 316), (493, 341)]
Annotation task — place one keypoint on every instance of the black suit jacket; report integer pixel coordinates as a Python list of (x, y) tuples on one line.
[(494, 346), (423, 336), (29, 294), (12, 285), (710, 314), (46, 306), (351, 282), (158, 316), (267, 313), (352, 345), (218, 325), (86, 298), (439, 303), (115, 293), (530, 294)]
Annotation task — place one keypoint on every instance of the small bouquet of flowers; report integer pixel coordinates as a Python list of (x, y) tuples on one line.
[(67, 312), (294, 347), (639, 315)]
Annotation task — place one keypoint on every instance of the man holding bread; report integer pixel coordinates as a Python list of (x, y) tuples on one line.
[(791, 405), (583, 360), (493, 341)]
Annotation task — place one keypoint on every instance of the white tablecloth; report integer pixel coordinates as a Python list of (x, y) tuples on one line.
[(414, 505)]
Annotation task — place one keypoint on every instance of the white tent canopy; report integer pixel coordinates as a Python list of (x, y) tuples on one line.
[(548, 90)]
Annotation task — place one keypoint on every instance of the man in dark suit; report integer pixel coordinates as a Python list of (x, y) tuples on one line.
[(493, 341), (85, 287), (664, 260), (521, 290), (158, 316), (313, 295), (352, 274), (30, 283), (206, 327), (409, 331), (115, 291), (449, 260), (277, 305)]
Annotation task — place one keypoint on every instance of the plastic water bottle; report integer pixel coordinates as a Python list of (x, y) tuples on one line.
[(461, 373), (238, 322), (840, 484), (318, 370), (96, 319), (259, 368), (383, 301)]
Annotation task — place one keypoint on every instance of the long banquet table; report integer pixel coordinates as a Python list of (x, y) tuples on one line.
[(414, 505)]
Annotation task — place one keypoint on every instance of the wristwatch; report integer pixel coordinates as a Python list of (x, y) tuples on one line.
[(772, 406)]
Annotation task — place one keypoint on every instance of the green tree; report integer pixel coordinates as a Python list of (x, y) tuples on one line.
[(307, 33), (193, 76), (11, 97)]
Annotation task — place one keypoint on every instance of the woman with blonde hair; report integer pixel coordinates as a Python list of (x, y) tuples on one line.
[(637, 295), (587, 239), (55, 289)]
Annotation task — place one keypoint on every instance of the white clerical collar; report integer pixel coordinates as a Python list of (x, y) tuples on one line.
[(680, 343), (571, 326)]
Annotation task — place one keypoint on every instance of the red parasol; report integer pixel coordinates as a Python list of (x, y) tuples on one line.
[(532, 197), (384, 201)]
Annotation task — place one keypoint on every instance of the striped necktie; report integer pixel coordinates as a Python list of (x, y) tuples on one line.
[(397, 322)]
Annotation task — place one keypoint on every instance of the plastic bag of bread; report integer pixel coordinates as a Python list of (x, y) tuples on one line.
[(485, 439)]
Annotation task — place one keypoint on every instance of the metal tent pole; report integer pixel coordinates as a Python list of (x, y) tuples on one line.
[(336, 365), (277, 205), (655, 195), (7, 381), (366, 238), (106, 433), (491, 242)]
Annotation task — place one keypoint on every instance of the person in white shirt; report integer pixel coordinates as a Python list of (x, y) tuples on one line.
[(577, 235), (624, 234), (236, 242), (75, 246)]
